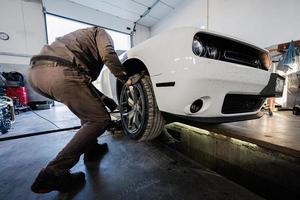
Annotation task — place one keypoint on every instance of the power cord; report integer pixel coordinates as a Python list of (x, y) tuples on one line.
[(38, 114), (44, 118), (114, 111)]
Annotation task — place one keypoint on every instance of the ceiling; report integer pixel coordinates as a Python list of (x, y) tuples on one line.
[(132, 10)]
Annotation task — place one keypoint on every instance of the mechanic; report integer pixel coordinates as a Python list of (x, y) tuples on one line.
[(63, 71)]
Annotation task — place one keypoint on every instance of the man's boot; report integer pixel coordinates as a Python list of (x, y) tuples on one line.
[(95, 153), (47, 181)]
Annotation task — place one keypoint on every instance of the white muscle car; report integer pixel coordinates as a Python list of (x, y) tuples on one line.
[(192, 75)]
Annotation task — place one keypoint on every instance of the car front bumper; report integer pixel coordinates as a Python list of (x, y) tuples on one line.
[(169, 117), (211, 81)]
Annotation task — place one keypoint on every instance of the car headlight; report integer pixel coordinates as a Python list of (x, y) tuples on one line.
[(198, 48), (206, 50), (213, 53)]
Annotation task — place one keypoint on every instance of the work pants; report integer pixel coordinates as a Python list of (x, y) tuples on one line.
[(72, 88)]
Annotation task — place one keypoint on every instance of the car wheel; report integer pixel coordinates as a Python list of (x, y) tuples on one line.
[(140, 116)]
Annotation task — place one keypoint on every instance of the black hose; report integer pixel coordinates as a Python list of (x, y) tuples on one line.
[(38, 133)]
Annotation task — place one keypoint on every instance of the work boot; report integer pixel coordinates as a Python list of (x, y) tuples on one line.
[(95, 153), (46, 182)]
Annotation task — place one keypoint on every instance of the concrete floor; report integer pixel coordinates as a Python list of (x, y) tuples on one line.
[(135, 170), (29, 122), (130, 170), (279, 132)]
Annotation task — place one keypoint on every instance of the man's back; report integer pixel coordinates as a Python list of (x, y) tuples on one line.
[(81, 47)]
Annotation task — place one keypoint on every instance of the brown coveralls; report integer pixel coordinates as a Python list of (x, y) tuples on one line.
[(89, 49)]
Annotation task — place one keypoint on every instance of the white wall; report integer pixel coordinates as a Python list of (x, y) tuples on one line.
[(142, 33), (23, 21), (262, 22), (188, 13)]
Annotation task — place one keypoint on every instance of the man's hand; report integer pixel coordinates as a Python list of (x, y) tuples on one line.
[(110, 103), (128, 82), (133, 79)]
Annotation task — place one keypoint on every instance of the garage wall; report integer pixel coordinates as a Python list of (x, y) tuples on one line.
[(142, 33), (23, 21), (188, 13), (262, 22)]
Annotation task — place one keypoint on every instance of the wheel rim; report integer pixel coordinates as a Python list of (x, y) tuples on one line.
[(132, 103)]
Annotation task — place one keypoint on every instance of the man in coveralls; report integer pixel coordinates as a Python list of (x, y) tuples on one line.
[(63, 71)]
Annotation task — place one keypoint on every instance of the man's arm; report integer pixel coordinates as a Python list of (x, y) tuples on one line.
[(108, 55)]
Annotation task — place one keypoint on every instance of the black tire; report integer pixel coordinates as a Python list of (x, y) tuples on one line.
[(140, 116)]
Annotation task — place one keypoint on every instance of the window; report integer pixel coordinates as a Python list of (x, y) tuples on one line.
[(58, 26)]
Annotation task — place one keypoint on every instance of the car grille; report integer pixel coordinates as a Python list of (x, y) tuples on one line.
[(244, 59), (233, 51), (237, 103)]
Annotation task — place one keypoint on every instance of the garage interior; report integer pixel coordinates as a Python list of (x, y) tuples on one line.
[(251, 159)]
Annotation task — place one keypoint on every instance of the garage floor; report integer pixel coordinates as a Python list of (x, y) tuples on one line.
[(130, 170), (279, 132), (134, 170), (29, 122)]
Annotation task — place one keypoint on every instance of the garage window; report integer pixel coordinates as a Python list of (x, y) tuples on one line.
[(59, 26)]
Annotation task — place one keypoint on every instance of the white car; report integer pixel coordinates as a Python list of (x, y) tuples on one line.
[(192, 75)]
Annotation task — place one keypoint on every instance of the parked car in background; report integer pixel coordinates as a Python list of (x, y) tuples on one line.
[(192, 75)]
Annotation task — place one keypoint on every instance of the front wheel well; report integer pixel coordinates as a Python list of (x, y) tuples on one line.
[(133, 66)]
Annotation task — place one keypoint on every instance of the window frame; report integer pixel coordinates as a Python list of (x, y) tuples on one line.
[(79, 21)]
